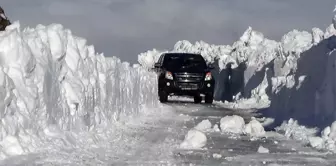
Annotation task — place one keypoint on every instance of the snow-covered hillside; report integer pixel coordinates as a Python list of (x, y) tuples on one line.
[(52, 82), (293, 78)]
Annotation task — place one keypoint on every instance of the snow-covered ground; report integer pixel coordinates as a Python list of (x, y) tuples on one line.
[(218, 136), (57, 94)]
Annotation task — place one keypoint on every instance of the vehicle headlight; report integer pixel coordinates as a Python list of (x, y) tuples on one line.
[(169, 75), (208, 76)]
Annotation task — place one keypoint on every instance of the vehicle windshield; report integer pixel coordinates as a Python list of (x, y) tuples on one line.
[(184, 62)]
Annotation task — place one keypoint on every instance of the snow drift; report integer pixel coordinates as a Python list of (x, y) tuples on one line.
[(307, 93), (52, 82), (255, 59), (293, 78)]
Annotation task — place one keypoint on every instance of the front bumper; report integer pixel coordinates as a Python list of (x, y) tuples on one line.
[(187, 88)]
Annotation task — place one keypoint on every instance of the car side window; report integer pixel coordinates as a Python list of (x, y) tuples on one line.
[(161, 59)]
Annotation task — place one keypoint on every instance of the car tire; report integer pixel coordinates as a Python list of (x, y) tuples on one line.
[(163, 96), (197, 99), (208, 98)]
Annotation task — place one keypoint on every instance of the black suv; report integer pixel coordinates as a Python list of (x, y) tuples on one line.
[(184, 74)]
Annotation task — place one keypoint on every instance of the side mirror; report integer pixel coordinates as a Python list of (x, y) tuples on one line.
[(210, 66), (157, 65)]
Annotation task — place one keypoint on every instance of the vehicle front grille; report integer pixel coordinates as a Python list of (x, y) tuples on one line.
[(189, 86), (189, 77)]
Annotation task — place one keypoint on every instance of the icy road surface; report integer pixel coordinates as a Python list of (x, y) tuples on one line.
[(154, 138)]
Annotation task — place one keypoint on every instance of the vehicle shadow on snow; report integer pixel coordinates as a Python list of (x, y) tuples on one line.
[(299, 102)]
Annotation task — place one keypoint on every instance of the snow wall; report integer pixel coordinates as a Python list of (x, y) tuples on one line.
[(52, 82), (292, 78)]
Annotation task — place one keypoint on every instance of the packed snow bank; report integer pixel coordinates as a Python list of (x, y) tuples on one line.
[(53, 85), (306, 94)]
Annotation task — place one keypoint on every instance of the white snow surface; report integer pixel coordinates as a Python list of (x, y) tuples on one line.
[(255, 129), (216, 128), (236, 125), (55, 87), (194, 139), (262, 149), (326, 140), (292, 129), (204, 126), (232, 124), (334, 19), (216, 156)]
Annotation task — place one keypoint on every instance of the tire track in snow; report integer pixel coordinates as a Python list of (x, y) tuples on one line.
[(154, 138)]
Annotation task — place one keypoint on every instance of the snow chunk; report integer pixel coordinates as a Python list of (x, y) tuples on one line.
[(327, 140), (291, 129), (194, 140), (203, 126), (255, 128), (232, 124), (266, 121), (262, 149), (316, 142), (11, 146), (216, 156), (216, 128)]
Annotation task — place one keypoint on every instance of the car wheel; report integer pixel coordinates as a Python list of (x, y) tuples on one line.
[(208, 98), (163, 96), (197, 99)]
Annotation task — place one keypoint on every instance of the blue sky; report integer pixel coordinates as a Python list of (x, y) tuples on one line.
[(125, 28)]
